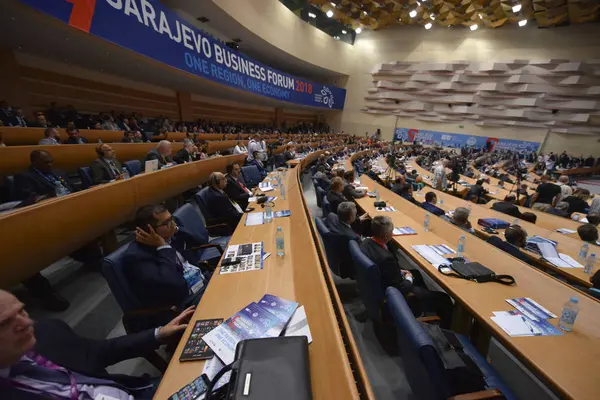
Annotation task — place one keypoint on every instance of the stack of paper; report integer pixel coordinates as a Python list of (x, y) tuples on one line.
[(255, 218), (565, 231), (431, 255), (386, 209), (516, 324), (405, 230), (265, 186)]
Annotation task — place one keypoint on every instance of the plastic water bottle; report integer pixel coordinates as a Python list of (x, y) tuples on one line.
[(568, 314), (282, 191), (125, 173), (284, 173), (589, 264), (280, 242), (59, 189), (583, 253), (376, 194), (441, 201), (461, 246), (426, 223), (515, 221), (268, 214)]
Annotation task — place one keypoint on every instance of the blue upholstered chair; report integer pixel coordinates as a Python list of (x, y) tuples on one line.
[(251, 175), (325, 206), (214, 225), (336, 250), (370, 286), (133, 166), (320, 195), (85, 173)]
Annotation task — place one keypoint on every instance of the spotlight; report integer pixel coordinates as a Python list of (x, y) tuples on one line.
[(336, 37), (523, 22), (516, 8), (473, 27), (344, 32), (311, 15), (358, 30), (333, 4), (364, 12), (412, 14), (428, 25), (329, 14)]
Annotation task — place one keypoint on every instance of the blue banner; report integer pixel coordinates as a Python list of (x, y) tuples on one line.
[(150, 29), (457, 140)]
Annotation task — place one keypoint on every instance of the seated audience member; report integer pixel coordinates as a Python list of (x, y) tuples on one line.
[(545, 194), (106, 167), (219, 204), (341, 222), (323, 161), (162, 153), (236, 188), (51, 136), (189, 153), (529, 217), (469, 173), (129, 137), (74, 137), (560, 209), (40, 179), (593, 219), (408, 282), (6, 113), (577, 201), (259, 164), (515, 237), (47, 359), (588, 233), (507, 206), (160, 272), (430, 204), (349, 191), (123, 125), (398, 184), (415, 179), (594, 291), (138, 137), (110, 124), (595, 207), (471, 198), (41, 122), (240, 148), (322, 178), (478, 191), (565, 189), (289, 153), (335, 196), (405, 191), (18, 120), (460, 218)]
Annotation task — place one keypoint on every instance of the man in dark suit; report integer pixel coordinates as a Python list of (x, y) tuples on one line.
[(38, 360), (335, 196), (408, 282), (106, 168), (189, 153), (236, 188), (405, 191), (349, 191), (6, 114), (507, 206), (18, 119), (74, 137), (478, 191), (219, 204), (41, 122), (430, 204), (158, 268), (516, 237), (289, 153), (341, 223), (162, 153), (40, 179)]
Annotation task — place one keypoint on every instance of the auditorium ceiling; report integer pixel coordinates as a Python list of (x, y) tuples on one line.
[(377, 14)]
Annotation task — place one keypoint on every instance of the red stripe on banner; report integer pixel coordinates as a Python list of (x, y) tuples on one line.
[(82, 14)]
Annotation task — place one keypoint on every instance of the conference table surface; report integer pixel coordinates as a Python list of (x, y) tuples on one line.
[(565, 362), (295, 276)]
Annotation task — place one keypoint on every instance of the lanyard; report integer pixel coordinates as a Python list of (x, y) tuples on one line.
[(49, 177)]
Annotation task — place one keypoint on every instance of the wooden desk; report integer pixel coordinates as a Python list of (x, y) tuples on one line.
[(566, 363), (296, 276), (36, 236)]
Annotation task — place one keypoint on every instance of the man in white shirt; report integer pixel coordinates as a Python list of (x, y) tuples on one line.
[(565, 189), (440, 180), (51, 136), (254, 146), (240, 148)]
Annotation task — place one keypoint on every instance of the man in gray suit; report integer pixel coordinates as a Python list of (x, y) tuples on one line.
[(341, 223), (106, 167)]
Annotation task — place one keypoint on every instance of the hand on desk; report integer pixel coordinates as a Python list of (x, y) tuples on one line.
[(150, 238), (177, 325)]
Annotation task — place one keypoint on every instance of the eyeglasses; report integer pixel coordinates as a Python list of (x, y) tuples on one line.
[(168, 222)]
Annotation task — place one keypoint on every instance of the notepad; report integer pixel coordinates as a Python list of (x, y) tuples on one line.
[(256, 218), (433, 257), (405, 230), (265, 186), (565, 231)]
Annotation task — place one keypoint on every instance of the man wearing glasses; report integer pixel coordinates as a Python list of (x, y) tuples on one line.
[(160, 275)]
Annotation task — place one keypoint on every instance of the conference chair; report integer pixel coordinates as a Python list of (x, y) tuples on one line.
[(215, 226), (423, 366), (320, 195), (135, 318), (192, 227), (325, 206), (336, 251), (313, 170), (85, 173), (251, 175), (370, 285), (133, 166), (8, 188), (279, 160)]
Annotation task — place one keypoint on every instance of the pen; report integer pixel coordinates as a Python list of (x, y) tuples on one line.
[(530, 328)]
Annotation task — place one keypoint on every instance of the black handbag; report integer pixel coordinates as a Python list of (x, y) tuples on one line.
[(268, 369), (379, 204), (474, 271)]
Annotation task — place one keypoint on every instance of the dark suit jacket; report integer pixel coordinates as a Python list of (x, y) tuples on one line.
[(236, 192), (507, 208), (556, 211), (288, 155), (477, 190), (29, 183), (182, 156), (261, 168), (155, 277), (509, 248), (102, 173), (386, 261), (219, 206), (336, 226), (74, 141), (57, 342), (350, 192), (432, 208), (335, 199), (155, 155)]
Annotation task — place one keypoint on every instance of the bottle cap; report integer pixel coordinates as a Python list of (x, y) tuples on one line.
[(574, 299), (278, 229)]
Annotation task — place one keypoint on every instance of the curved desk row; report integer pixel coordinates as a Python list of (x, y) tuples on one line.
[(300, 276), (566, 362), (36, 236)]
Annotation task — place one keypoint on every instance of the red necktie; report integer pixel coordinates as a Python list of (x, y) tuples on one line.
[(241, 184)]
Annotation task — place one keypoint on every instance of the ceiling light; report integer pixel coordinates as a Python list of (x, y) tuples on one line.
[(412, 14), (473, 27), (432, 16), (428, 25), (336, 37), (358, 30), (344, 32), (523, 22), (333, 4), (480, 16), (364, 12), (517, 8), (329, 14), (418, 3), (311, 15)]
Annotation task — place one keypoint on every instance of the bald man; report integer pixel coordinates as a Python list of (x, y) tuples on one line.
[(218, 203), (46, 359)]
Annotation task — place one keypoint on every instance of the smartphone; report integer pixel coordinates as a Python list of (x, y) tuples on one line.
[(192, 390)]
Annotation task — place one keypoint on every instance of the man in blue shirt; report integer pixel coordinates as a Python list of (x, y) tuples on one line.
[(429, 204)]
